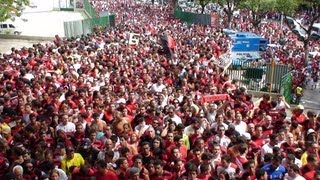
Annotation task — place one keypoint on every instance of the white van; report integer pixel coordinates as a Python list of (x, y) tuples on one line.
[(9, 28), (315, 31), (293, 23)]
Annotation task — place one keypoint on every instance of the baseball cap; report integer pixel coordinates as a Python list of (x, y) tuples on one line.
[(300, 107), (310, 131), (86, 143), (247, 136)]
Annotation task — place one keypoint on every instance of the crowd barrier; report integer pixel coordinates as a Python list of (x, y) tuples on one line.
[(192, 18), (86, 26)]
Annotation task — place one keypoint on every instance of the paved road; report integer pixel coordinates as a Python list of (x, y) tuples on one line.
[(311, 100), (7, 44)]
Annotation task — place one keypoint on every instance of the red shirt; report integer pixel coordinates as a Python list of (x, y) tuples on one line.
[(108, 175), (165, 176), (265, 106)]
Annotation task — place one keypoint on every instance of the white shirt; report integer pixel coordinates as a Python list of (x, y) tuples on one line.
[(231, 170), (298, 177), (62, 174), (189, 130), (175, 118), (157, 87), (224, 141), (215, 126), (296, 161), (141, 128), (211, 117), (267, 148), (68, 128), (241, 127)]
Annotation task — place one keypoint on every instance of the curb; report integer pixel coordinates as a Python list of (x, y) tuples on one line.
[(22, 37)]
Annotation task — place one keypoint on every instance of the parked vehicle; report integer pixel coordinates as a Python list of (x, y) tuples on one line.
[(9, 28)]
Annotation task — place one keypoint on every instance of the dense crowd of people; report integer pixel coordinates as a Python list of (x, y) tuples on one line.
[(95, 107)]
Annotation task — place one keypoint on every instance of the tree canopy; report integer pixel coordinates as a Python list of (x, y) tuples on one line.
[(230, 7), (258, 9), (11, 8), (291, 7)]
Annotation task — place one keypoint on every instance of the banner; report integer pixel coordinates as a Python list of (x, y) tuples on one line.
[(215, 97), (134, 39)]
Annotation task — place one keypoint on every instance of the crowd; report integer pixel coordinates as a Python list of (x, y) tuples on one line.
[(95, 107)]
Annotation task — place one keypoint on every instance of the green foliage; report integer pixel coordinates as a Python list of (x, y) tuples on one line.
[(11, 8), (287, 7), (203, 4), (258, 8)]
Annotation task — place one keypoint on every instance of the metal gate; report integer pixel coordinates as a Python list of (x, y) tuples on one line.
[(258, 75)]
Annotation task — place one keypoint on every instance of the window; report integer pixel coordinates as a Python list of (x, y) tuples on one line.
[(11, 26), (4, 26)]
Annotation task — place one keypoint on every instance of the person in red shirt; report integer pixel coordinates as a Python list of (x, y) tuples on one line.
[(160, 174), (265, 103), (179, 170), (309, 169), (249, 169), (103, 173), (258, 137), (298, 115)]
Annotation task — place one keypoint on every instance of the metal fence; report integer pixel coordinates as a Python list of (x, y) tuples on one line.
[(92, 13), (192, 18), (86, 26), (257, 76)]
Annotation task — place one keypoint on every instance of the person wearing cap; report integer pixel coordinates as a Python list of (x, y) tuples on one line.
[(87, 151), (298, 115), (71, 159), (6, 133), (311, 135), (299, 93)]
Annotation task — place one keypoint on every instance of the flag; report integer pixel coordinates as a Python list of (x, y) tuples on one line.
[(171, 42)]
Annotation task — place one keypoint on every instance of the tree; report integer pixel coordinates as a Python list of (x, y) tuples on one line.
[(229, 7), (203, 4), (258, 9), (290, 8), (11, 8)]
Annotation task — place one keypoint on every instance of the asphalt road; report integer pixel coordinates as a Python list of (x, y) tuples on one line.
[(7, 44)]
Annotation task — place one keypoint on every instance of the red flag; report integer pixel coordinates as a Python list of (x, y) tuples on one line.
[(171, 42)]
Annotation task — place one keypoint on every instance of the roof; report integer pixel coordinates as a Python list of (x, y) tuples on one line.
[(240, 35)]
